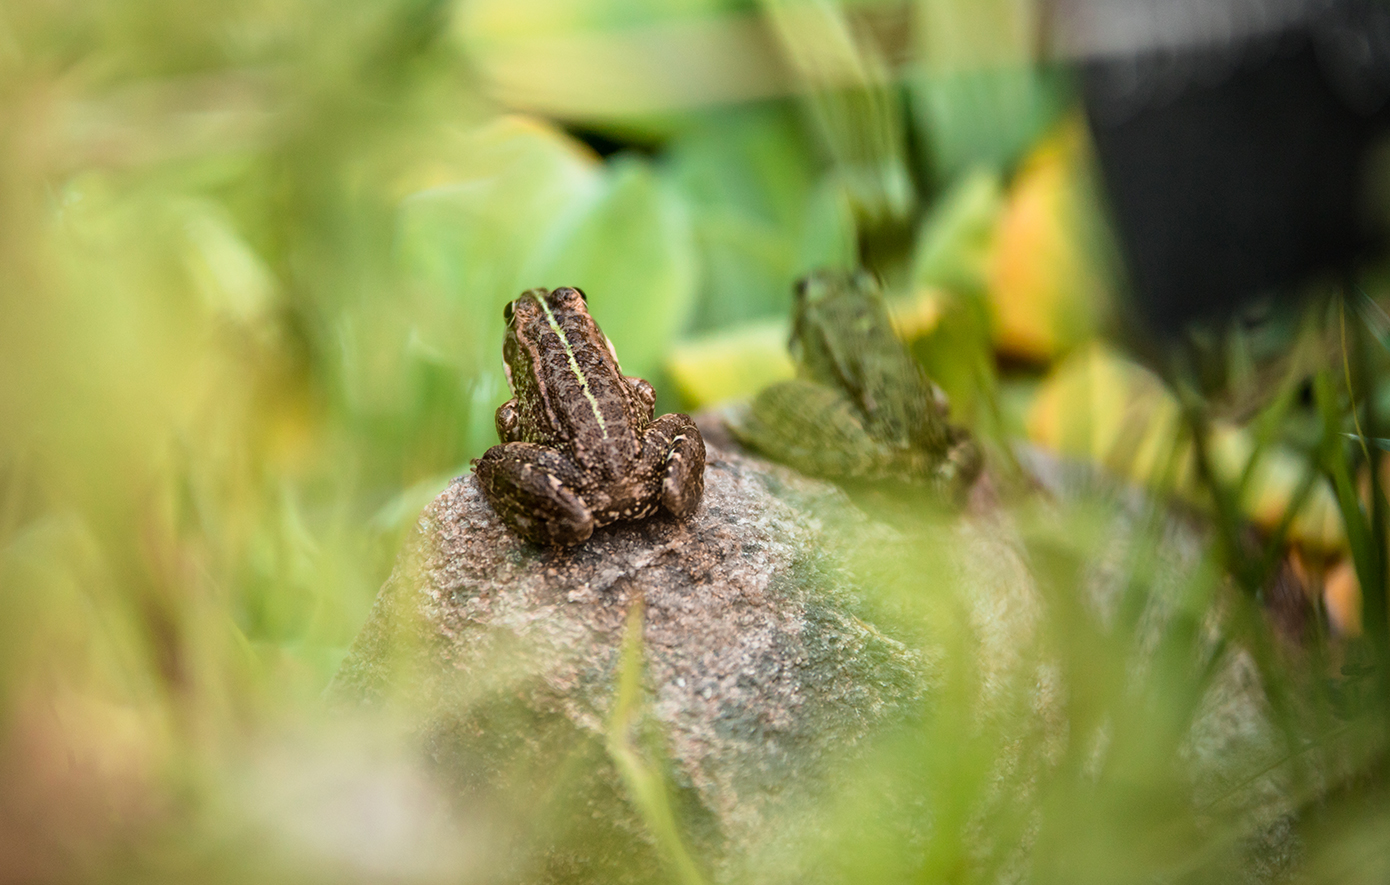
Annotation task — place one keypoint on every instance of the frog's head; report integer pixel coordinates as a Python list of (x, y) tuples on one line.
[(826, 284), (826, 298), (827, 305), (536, 316), (541, 306)]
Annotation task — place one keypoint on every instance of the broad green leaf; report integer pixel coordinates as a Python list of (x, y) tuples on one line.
[(987, 115), (530, 208), (953, 244), (630, 248), (754, 161), (524, 205), (464, 244), (762, 212), (729, 364), (977, 96), (829, 235)]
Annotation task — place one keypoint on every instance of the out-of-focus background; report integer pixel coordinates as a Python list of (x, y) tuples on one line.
[(253, 257)]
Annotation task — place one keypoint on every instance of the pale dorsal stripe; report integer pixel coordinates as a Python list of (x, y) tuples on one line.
[(574, 366)]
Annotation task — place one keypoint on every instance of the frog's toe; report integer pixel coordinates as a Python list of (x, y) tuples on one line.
[(562, 530), (561, 520), (683, 479), (964, 461)]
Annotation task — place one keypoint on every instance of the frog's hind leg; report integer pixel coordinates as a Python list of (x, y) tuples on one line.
[(674, 443), (531, 488), (810, 427)]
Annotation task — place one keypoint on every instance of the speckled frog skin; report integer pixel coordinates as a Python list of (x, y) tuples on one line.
[(580, 446), (860, 408)]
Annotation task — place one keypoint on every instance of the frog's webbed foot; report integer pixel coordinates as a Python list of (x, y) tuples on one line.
[(531, 488), (810, 427), (676, 445)]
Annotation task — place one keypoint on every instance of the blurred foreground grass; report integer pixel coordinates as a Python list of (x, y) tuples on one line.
[(252, 261)]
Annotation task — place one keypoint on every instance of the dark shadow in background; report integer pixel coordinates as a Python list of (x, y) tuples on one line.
[(1239, 169)]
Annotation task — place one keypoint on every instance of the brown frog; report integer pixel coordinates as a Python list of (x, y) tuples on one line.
[(580, 447)]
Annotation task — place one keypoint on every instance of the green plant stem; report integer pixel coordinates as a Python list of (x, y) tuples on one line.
[(644, 781), (1228, 516), (1373, 594), (1358, 524)]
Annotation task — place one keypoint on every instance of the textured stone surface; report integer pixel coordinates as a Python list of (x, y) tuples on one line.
[(756, 660), (761, 666)]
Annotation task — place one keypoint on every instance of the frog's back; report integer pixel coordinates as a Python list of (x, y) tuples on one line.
[(595, 411), (861, 354)]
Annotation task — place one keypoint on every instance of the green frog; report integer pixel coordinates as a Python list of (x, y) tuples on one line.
[(860, 408), (580, 447)]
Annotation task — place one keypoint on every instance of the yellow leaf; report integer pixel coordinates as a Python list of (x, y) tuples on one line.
[(1045, 290)]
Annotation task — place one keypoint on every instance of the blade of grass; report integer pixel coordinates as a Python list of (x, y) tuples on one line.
[(1252, 573), (1228, 517), (644, 781), (1376, 320), (1346, 371), (1373, 596), (1357, 523), (1375, 441), (1272, 417)]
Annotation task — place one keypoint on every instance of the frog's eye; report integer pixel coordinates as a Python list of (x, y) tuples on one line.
[(507, 313), (582, 296)]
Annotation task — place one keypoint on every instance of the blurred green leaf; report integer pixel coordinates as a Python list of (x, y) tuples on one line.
[(465, 243), (977, 92), (528, 18), (987, 116), (853, 107), (955, 238), (736, 362), (632, 252), (1379, 442), (539, 211), (762, 213)]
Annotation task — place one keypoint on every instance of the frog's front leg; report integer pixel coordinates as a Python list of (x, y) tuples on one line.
[(812, 428), (646, 396), (962, 463), (507, 421), (532, 489), (675, 450)]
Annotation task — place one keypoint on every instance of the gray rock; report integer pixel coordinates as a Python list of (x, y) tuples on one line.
[(765, 668), (758, 666)]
